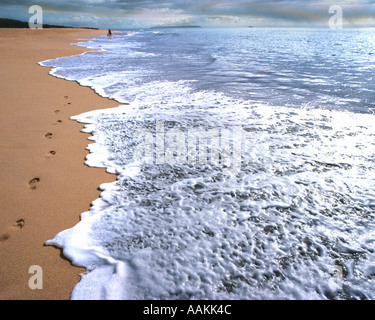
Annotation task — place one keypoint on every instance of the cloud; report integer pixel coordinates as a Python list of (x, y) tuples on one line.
[(161, 16), (224, 19), (139, 13)]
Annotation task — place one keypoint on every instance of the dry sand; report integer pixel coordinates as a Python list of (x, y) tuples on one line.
[(44, 185)]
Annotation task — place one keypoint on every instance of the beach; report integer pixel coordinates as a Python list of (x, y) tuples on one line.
[(240, 170), (45, 183)]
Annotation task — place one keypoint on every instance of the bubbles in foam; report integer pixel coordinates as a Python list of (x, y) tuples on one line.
[(301, 205)]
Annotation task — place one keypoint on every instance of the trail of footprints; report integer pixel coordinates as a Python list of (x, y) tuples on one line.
[(49, 135), (20, 223)]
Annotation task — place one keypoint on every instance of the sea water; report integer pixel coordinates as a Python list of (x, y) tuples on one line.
[(245, 162)]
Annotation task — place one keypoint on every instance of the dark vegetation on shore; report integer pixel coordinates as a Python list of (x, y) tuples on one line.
[(10, 23)]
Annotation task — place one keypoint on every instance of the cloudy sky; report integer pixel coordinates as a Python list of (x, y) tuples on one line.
[(118, 14)]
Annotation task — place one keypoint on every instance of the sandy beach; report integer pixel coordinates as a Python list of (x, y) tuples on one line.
[(45, 185)]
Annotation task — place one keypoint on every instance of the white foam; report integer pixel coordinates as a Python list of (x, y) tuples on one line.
[(301, 205), (273, 231)]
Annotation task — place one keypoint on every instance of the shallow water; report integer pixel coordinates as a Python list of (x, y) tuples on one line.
[(244, 162)]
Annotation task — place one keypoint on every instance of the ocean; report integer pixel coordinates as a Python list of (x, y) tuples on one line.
[(245, 163)]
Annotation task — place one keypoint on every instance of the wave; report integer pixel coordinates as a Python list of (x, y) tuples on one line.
[(222, 198)]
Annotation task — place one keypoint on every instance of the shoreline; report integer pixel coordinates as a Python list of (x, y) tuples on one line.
[(45, 183)]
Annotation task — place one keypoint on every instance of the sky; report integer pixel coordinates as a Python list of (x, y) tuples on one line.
[(123, 14)]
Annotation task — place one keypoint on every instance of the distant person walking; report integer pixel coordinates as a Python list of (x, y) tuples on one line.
[(109, 34)]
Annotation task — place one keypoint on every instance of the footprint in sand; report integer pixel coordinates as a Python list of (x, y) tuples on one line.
[(66, 97), (33, 182), (4, 236), (50, 154), (19, 224), (48, 135)]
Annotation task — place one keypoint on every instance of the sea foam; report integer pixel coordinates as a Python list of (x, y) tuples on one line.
[(295, 222), (301, 205)]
